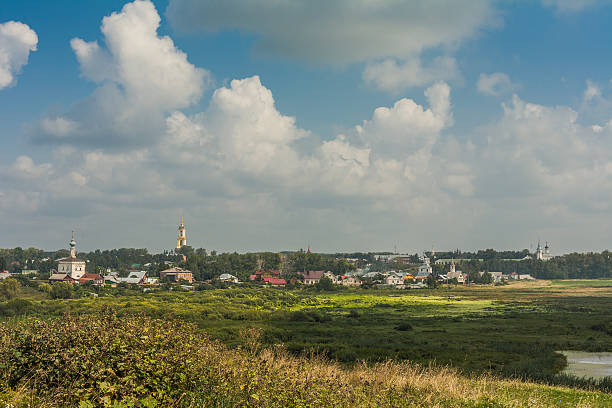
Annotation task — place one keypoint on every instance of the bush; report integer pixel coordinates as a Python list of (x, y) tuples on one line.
[(16, 307), (309, 316), (325, 284), (404, 327), (62, 290), (45, 288), (103, 359), (9, 288)]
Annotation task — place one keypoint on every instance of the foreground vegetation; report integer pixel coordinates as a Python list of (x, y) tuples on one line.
[(510, 331), (107, 360)]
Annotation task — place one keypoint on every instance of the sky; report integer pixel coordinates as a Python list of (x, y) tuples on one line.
[(277, 125)]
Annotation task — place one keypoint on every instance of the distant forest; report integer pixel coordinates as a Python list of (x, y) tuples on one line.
[(208, 265)]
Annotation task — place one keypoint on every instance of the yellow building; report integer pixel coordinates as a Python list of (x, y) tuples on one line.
[(181, 240)]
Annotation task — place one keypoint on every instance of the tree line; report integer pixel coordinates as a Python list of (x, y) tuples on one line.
[(209, 265)]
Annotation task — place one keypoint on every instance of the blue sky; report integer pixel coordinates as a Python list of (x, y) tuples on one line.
[(352, 126)]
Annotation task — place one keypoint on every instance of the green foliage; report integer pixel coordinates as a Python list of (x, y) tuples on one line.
[(512, 330), (325, 283), (9, 288), (104, 359), (16, 307), (133, 361), (44, 288), (431, 282), (62, 290)]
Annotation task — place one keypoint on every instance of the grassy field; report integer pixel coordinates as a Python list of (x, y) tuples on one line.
[(107, 360), (583, 282), (510, 331)]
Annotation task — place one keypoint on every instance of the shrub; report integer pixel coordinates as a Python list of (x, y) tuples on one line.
[(309, 316), (15, 307), (354, 314), (62, 290), (103, 359), (45, 288), (9, 288), (404, 327)]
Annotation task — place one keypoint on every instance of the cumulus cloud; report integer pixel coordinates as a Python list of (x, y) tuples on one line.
[(494, 84), (17, 40), (341, 31), (241, 145), (239, 160), (142, 77), (240, 165), (391, 76), (543, 156)]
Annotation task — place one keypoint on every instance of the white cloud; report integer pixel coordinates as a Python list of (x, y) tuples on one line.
[(494, 84), (407, 126), (543, 157), (17, 40), (341, 31), (390, 76), (240, 166), (591, 92), (142, 77)]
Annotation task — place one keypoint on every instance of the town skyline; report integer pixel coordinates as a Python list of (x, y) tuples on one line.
[(182, 241), (474, 125)]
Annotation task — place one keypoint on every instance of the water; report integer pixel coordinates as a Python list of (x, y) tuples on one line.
[(585, 364)]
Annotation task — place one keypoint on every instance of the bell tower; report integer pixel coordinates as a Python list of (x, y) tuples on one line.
[(72, 246), (181, 240)]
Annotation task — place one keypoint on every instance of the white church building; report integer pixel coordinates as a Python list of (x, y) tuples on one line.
[(71, 266)]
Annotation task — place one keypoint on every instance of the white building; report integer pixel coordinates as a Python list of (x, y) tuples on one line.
[(455, 274), (350, 280), (543, 255), (71, 266), (331, 277), (394, 279), (226, 277), (425, 268)]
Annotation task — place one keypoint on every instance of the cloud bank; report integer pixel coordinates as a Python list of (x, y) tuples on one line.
[(240, 166), (340, 31)]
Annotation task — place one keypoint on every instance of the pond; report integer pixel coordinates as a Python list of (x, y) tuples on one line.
[(585, 364)]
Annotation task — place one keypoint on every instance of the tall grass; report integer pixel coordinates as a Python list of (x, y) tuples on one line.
[(105, 360)]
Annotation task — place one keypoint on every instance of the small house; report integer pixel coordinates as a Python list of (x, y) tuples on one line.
[(226, 277), (312, 277)]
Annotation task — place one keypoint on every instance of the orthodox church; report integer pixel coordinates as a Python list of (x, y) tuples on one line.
[(543, 255), (71, 267), (455, 274)]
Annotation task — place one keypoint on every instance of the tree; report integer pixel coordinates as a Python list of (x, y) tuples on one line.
[(431, 282), (2, 264), (62, 290), (45, 288), (9, 288), (486, 278), (325, 284)]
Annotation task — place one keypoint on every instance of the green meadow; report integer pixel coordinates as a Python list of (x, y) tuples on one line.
[(583, 282), (512, 331)]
